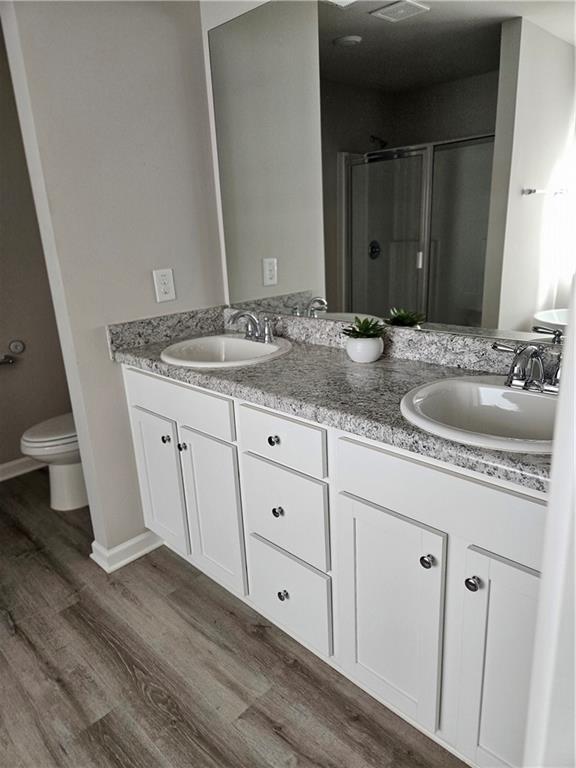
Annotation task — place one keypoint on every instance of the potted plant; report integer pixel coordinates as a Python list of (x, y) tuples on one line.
[(364, 343), (404, 318)]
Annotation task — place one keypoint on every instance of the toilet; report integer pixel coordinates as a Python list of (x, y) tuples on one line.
[(54, 442)]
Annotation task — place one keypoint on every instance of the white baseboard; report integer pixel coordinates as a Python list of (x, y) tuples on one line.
[(116, 557), (19, 467)]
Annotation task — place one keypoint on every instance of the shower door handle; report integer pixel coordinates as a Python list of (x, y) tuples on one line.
[(420, 260)]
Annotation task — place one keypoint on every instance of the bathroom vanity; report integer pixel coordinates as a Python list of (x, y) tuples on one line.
[(409, 563)]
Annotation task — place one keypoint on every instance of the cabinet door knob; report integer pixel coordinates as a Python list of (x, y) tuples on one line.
[(472, 583), (166, 439), (278, 511), (273, 440), (427, 561), (182, 447), (283, 595)]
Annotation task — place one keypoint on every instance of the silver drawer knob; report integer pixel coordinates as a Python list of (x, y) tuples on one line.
[(427, 561), (166, 439), (182, 446), (273, 440), (283, 595), (278, 511), (473, 583)]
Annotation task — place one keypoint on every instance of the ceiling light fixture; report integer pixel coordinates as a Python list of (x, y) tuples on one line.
[(348, 41), (342, 3), (403, 9)]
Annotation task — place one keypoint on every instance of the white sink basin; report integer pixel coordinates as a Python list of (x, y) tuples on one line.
[(481, 411), (224, 351)]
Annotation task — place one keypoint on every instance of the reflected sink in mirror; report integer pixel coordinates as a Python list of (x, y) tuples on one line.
[(481, 411), (223, 351), (553, 318)]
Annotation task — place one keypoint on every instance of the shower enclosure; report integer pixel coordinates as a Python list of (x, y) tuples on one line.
[(417, 219)]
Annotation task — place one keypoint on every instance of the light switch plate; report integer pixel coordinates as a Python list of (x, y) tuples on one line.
[(270, 271), (164, 284)]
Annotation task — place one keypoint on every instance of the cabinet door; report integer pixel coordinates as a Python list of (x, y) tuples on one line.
[(497, 642), (390, 606), (159, 476), (210, 469)]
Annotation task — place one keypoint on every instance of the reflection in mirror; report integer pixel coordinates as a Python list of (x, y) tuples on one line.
[(423, 163)]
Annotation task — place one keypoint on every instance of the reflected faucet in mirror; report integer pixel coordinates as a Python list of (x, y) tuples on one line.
[(315, 305)]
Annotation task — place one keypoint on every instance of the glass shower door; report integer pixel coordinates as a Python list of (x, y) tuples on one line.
[(459, 225), (387, 233)]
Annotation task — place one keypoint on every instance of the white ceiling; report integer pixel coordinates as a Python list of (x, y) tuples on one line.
[(455, 39)]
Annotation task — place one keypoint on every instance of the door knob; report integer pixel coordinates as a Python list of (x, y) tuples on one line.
[(283, 595), (166, 439), (273, 440), (278, 511), (182, 447), (427, 561), (472, 583)]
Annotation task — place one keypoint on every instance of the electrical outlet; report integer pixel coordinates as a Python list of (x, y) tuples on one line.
[(164, 284), (270, 271)]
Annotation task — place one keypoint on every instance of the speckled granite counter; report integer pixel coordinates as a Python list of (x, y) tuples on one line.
[(320, 383)]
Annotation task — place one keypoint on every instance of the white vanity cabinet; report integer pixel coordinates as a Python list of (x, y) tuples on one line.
[(161, 489), (391, 606), (463, 628), (417, 581), (188, 473), (497, 644)]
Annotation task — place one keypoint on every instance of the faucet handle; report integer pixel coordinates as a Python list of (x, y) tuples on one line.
[(555, 332), (505, 348), (268, 329)]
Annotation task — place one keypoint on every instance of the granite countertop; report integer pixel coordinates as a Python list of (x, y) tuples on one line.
[(321, 384)]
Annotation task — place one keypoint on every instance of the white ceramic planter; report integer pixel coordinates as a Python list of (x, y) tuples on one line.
[(364, 350)]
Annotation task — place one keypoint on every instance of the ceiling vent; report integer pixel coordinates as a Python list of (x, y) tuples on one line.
[(403, 9)]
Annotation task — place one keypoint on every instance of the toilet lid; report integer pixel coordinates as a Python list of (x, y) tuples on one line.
[(58, 429)]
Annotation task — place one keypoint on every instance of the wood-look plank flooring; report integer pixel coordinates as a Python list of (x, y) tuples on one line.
[(155, 666)]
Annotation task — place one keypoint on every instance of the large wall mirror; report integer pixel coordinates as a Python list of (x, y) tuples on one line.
[(399, 154)]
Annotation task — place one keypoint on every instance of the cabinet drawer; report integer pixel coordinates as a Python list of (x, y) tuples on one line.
[(292, 594), (297, 445), (287, 508), (438, 497), (190, 408)]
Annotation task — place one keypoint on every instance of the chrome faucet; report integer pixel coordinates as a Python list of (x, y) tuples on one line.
[(252, 324), (314, 305), (255, 330), (527, 368)]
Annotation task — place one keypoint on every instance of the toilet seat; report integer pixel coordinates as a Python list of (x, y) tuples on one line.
[(43, 451), (54, 442), (59, 432)]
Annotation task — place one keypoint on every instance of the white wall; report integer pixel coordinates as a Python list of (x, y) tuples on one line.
[(550, 733), (452, 110), (112, 99), (265, 79), (34, 389), (213, 13), (535, 126)]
